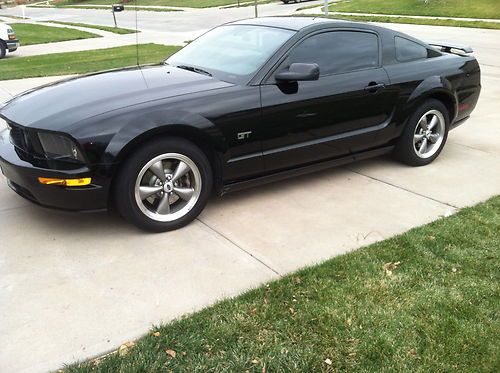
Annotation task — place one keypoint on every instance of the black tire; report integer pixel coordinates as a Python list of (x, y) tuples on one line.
[(3, 49), (406, 151), (125, 192)]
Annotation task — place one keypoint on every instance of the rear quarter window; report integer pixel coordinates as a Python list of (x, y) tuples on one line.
[(407, 50)]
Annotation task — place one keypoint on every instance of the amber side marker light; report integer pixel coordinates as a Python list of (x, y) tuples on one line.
[(65, 182)]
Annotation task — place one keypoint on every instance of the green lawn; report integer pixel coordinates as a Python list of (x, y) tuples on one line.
[(416, 21), (127, 8), (425, 301), (38, 34), (450, 8), (176, 3), (116, 30), (82, 62)]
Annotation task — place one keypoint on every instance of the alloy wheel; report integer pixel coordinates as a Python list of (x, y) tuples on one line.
[(429, 134), (168, 187)]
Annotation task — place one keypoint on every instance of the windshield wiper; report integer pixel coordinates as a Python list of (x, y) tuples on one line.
[(194, 69)]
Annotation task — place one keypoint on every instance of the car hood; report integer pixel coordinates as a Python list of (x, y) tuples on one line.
[(61, 104), (4, 27)]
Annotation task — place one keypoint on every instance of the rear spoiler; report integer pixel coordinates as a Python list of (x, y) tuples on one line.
[(450, 48)]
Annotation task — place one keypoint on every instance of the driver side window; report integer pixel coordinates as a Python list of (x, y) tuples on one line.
[(338, 51)]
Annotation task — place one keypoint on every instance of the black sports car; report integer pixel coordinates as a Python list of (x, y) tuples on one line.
[(248, 102)]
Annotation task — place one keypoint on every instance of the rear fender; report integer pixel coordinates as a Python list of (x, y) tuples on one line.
[(433, 87)]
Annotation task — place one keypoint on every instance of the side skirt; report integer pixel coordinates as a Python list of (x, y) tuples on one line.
[(459, 122), (233, 187)]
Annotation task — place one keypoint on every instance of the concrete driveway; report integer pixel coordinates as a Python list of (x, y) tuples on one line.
[(74, 285)]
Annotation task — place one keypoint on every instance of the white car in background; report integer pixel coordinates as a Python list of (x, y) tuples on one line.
[(8, 40)]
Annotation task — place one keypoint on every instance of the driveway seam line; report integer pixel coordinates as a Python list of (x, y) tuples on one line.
[(473, 148), (239, 247), (401, 188), (7, 92)]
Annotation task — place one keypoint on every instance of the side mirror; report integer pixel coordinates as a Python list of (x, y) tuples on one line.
[(299, 72), (118, 8)]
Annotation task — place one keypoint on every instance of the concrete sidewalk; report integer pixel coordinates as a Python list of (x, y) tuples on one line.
[(106, 40), (109, 41), (73, 285)]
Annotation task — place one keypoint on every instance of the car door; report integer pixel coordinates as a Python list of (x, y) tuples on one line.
[(337, 115)]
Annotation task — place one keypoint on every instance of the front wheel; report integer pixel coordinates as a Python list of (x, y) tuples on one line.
[(164, 185), (425, 134), (3, 50)]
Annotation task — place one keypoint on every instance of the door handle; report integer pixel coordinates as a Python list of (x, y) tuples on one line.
[(374, 87)]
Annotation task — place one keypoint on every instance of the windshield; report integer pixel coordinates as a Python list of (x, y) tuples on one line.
[(232, 53)]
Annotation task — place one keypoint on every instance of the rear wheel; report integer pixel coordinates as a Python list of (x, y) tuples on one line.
[(164, 185), (425, 134)]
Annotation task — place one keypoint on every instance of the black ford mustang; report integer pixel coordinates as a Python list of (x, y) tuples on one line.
[(249, 102)]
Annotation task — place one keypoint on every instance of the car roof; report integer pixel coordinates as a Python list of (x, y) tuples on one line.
[(293, 23)]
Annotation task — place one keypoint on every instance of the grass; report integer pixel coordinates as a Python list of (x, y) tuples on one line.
[(424, 301), (175, 3), (82, 62), (116, 30), (95, 7), (249, 3), (30, 34), (416, 21), (132, 9), (443, 8)]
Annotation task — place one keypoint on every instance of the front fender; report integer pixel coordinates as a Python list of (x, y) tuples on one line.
[(121, 131)]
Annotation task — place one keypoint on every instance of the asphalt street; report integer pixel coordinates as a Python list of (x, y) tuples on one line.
[(195, 20)]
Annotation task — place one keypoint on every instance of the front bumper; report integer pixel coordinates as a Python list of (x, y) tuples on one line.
[(22, 177), (13, 44)]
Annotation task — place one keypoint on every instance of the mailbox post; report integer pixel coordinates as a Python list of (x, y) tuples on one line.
[(116, 8)]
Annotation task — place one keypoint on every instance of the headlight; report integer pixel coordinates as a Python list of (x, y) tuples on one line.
[(11, 34), (57, 147)]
